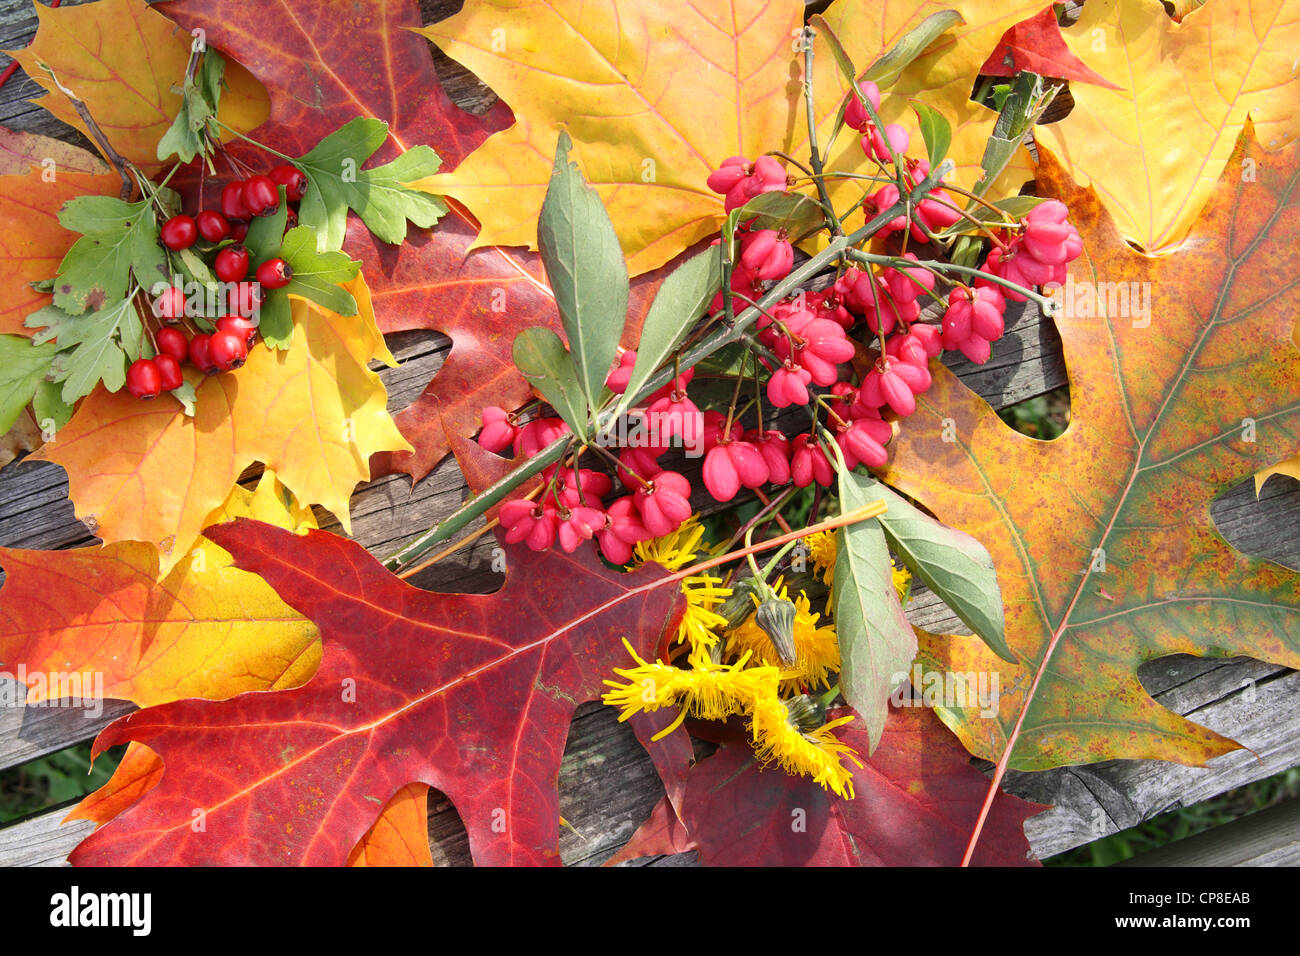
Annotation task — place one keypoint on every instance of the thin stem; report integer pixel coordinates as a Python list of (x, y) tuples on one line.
[(779, 502), (814, 152), (776, 514), (1048, 306), (249, 139), (116, 158)]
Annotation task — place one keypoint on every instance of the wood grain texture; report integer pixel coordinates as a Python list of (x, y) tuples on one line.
[(607, 783)]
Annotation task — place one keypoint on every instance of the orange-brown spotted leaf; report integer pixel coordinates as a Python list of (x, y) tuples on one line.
[(1184, 380), (203, 629), (122, 58), (314, 413), (32, 242)]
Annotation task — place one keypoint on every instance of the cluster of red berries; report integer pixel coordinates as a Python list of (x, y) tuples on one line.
[(225, 348), (809, 336)]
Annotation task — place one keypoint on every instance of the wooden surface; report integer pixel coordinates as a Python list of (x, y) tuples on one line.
[(607, 785)]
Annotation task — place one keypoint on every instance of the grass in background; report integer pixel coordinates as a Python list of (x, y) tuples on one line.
[(1044, 416), (56, 778)]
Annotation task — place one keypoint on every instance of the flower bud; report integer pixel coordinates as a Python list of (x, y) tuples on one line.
[(806, 713), (776, 618)]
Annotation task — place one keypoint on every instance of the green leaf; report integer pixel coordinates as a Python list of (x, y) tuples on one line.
[(184, 393), (842, 58), (200, 99), (890, 64), (275, 319), (316, 276), (266, 233), (22, 368), (877, 644), (51, 411), (680, 302), (1017, 113), (794, 213), (540, 354), (337, 183), (936, 131), (585, 266), (953, 565), (119, 238), (94, 347)]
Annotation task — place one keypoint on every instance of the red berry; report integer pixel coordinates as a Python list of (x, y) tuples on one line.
[(290, 220), (172, 342), (239, 231), (260, 196), (241, 326), (170, 306), (212, 225), (169, 371), (227, 350), (142, 379), (178, 232), (232, 263), (199, 353), (245, 299), (274, 273), (232, 201), (292, 179)]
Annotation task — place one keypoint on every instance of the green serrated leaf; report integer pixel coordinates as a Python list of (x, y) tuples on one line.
[(936, 130), (952, 564), (877, 644), (119, 238), (275, 319), (266, 233), (185, 395), (22, 368), (586, 269), (51, 411), (337, 183), (316, 275), (541, 356), (680, 302), (200, 98), (96, 347)]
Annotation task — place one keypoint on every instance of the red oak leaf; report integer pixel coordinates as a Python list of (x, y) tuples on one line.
[(917, 801), (1036, 46), (471, 694)]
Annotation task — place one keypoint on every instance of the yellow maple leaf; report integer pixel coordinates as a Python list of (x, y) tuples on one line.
[(143, 471), (1188, 89), (656, 96), (201, 629), (122, 58)]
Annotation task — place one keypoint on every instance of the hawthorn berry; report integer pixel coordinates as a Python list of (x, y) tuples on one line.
[(199, 354), (293, 179), (170, 305), (227, 350), (274, 274), (239, 231), (239, 325), (260, 196), (231, 263), (244, 299), (212, 225), (142, 379), (169, 371), (178, 232), (172, 342), (232, 202)]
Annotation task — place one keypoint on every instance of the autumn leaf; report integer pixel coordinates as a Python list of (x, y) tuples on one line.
[(1183, 380), (917, 799), (314, 414), (647, 131), (122, 58), (32, 241), (462, 692), (1035, 45), (1290, 468), (202, 629), (1176, 121), (400, 837)]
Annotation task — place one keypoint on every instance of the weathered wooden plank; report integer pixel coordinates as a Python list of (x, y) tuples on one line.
[(42, 840), (1270, 837)]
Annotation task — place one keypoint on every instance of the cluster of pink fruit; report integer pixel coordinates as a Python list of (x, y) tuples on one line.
[(808, 345)]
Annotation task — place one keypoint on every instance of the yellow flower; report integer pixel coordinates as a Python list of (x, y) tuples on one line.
[(817, 650), (707, 690), (699, 621), (677, 550), (902, 582), (813, 753), (822, 549)]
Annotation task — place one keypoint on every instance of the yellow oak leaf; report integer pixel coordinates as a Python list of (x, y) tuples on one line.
[(143, 471), (122, 58), (202, 629), (1188, 89)]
